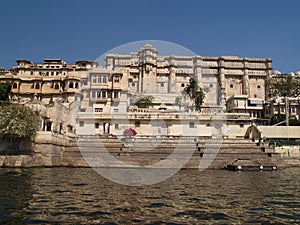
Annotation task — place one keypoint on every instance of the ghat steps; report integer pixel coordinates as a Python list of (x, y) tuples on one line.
[(112, 151)]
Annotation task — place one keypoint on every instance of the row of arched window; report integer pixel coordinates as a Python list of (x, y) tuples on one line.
[(36, 86), (55, 85), (74, 85)]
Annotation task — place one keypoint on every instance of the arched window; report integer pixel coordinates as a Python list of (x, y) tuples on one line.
[(76, 85), (37, 86), (15, 85), (182, 85), (231, 86), (258, 86), (71, 85), (211, 85), (56, 86)]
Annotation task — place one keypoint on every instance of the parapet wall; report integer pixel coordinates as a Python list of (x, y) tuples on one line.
[(280, 131)]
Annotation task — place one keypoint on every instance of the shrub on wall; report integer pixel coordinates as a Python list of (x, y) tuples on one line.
[(17, 121)]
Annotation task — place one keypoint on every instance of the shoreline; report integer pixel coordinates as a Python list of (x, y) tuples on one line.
[(51, 150)]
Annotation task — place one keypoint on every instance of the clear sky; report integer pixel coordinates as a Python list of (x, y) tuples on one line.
[(86, 29)]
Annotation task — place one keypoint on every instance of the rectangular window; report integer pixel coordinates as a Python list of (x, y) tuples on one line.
[(293, 109), (116, 110), (116, 126), (99, 79), (81, 123), (93, 94), (97, 125), (94, 79), (104, 95), (281, 109), (117, 79), (98, 109), (192, 125), (104, 79), (137, 123), (254, 114), (116, 94)]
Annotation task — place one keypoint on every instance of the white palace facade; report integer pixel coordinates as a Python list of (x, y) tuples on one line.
[(235, 90)]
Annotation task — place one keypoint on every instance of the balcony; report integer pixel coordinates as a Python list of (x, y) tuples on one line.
[(99, 100)]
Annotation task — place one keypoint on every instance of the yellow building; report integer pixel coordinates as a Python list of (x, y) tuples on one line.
[(48, 81)]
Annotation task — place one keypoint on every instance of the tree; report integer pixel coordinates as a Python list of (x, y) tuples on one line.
[(195, 92), (144, 102), (277, 118), (284, 85), (18, 121), (4, 91)]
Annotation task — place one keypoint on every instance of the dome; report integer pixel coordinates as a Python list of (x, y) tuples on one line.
[(148, 45), (276, 72), (298, 73)]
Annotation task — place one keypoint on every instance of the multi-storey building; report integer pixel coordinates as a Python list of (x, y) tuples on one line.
[(51, 88), (230, 81), (107, 94), (286, 99), (47, 81), (240, 83), (282, 105)]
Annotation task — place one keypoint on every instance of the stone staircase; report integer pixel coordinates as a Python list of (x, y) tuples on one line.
[(111, 151)]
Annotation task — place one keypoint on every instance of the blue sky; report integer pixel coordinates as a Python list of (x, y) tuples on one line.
[(74, 30)]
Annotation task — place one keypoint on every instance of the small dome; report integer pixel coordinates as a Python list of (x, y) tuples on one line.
[(292, 74), (298, 73), (148, 46), (276, 72)]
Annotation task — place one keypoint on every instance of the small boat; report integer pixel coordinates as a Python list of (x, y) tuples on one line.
[(247, 165)]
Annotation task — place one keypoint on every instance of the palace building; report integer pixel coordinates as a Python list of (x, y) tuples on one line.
[(239, 83), (234, 87)]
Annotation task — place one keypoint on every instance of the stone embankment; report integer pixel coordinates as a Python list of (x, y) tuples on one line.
[(109, 151)]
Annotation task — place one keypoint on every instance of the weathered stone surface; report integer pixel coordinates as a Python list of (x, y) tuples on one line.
[(150, 152)]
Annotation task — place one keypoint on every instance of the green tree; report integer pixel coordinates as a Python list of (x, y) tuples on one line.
[(195, 92), (4, 91), (277, 118), (144, 102), (18, 121), (294, 121), (283, 85)]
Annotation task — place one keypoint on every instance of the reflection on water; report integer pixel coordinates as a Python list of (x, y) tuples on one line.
[(81, 196)]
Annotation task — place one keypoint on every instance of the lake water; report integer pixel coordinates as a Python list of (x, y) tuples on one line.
[(81, 196)]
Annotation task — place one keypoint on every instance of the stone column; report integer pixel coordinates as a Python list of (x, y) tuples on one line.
[(269, 75), (198, 65), (245, 79), (172, 80), (141, 77), (223, 96)]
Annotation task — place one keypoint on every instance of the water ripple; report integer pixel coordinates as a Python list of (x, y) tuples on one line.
[(81, 196)]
